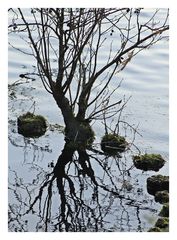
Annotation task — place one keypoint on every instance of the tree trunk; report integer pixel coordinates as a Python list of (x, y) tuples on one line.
[(77, 130)]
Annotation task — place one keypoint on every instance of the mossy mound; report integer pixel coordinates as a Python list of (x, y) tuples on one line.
[(149, 162), (113, 143), (165, 210), (157, 183), (154, 229), (86, 134), (162, 196), (162, 223), (79, 136), (30, 125)]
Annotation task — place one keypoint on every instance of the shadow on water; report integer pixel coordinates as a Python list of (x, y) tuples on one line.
[(85, 191)]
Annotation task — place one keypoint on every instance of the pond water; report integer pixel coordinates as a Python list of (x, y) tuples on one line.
[(114, 196)]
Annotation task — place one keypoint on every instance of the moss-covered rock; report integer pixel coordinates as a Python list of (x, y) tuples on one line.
[(157, 183), (86, 134), (162, 223), (79, 136), (165, 210), (113, 143), (154, 229), (162, 196), (30, 125), (149, 162)]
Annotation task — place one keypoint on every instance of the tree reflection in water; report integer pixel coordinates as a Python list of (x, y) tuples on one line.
[(86, 191)]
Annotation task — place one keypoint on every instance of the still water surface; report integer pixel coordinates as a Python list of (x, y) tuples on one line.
[(91, 209)]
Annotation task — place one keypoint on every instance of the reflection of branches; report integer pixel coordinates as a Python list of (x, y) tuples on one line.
[(86, 197), (124, 217)]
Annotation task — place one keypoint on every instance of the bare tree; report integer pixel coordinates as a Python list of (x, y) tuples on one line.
[(76, 38)]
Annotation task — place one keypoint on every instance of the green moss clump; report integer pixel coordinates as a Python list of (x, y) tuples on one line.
[(149, 162), (80, 136), (162, 196), (162, 223), (30, 125), (113, 143), (154, 229), (165, 210), (87, 135), (157, 183)]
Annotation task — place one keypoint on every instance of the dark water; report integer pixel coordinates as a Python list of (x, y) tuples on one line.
[(105, 194)]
